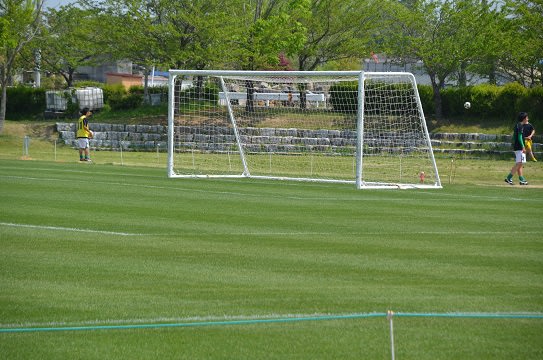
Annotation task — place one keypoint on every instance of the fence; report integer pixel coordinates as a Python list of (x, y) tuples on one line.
[(389, 315)]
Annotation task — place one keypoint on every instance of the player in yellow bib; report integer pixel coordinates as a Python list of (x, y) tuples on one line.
[(83, 134), (528, 131)]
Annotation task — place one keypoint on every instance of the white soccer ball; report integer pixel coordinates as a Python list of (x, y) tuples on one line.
[(467, 105)]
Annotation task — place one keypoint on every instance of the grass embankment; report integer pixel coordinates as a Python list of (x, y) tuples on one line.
[(44, 146)]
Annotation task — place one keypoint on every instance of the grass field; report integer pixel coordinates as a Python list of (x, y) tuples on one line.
[(111, 249)]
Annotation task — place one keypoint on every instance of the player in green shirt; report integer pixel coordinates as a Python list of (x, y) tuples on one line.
[(520, 150)]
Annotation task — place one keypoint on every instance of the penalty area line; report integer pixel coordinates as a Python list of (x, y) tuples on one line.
[(60, 228)]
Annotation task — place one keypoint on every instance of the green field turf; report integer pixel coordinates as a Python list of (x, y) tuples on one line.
[(112, 249)]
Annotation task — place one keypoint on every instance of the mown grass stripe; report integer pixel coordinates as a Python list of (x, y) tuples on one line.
[(60, 228)]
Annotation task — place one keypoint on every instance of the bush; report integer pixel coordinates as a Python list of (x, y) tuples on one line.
[(483, 100), (72, 105), (453, 100), (492, 101), (110, 91), (23, 101), (533, 104), (426, 94), (136, 89), (160, 89), (208, 91), (88, 83), (508, 100), (130, 101), (344, 97)]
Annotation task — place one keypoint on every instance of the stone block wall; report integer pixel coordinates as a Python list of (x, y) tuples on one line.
[(113, 136), (219, 139)]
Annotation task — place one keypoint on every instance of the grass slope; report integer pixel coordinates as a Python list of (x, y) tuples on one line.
[(91, 245)]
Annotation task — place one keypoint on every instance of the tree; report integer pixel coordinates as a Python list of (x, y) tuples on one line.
[(131, 29), (523, 56), (272, 28), (19, 24), (70, 41), (267, 35), (200, 32), (338, 30), (445, 35), (170, 33)]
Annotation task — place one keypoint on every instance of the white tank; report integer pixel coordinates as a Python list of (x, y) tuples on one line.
[(56, 100), (90, 97)]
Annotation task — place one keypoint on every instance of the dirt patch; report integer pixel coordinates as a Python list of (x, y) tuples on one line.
[(43, 131), (38, 130)]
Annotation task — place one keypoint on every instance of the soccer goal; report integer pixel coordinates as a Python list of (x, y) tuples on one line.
[(355, 127)]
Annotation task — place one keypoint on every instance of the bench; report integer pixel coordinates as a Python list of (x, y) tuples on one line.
[(269, 96)]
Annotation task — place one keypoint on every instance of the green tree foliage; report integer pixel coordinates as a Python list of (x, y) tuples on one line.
[(196, 34), (70, 41), (522, 58), (170, 33), (19, 24), (132, 29), (268, 29), (445, 35), (339, 30), (452, 38)]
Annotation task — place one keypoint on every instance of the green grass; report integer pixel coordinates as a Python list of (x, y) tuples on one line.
[(112, 245), (144, 114), (472, 125)]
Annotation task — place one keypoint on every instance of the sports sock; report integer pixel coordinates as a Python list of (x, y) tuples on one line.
[(521, 178), (510, 176)]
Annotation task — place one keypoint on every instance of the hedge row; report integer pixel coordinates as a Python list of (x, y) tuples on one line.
[(487, 101), (24, 102), (493, 102)]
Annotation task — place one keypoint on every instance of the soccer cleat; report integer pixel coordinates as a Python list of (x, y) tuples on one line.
[(523, 182), (509, 181)]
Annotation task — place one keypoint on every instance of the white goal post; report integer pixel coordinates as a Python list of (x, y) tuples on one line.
[(364, 128)]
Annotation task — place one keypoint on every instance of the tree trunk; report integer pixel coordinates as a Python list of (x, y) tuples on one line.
[(492, 73), (3, 107), (303, 96), (437, 97), (250, 104), (146, 96), (462, 77)]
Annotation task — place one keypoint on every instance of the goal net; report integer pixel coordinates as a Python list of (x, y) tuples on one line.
[(355, 127)]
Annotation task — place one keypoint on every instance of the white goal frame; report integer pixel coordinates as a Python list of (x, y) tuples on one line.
[(359, 180)]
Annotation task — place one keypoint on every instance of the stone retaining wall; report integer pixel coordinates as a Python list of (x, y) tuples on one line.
[(151, 137), (113, 136)]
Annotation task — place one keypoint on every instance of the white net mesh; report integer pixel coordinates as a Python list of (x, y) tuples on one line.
[(299, 126)]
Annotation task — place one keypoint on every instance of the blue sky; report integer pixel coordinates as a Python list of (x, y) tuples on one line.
[(56, 3)]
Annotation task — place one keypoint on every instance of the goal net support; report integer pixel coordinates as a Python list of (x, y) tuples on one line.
[(355, 127)]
